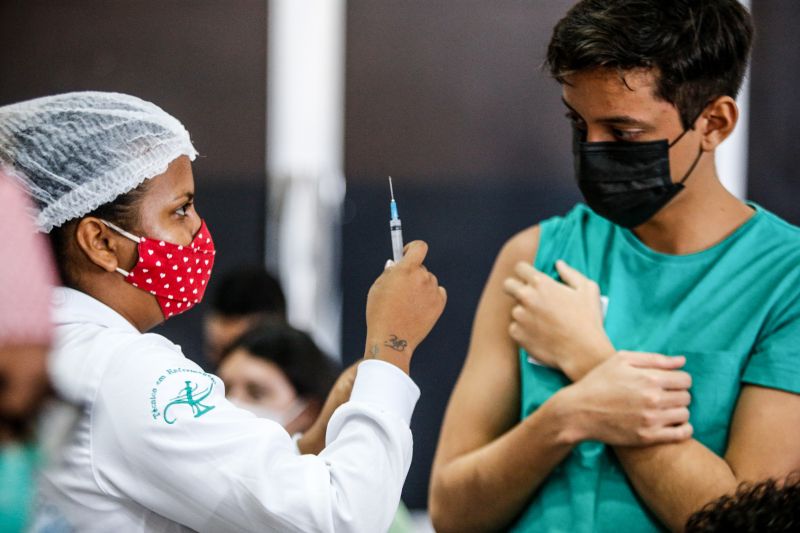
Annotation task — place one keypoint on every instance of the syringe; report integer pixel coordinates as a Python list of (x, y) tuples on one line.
[(395, 227)]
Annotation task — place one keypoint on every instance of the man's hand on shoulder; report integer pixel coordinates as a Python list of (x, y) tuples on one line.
[(560, 324)]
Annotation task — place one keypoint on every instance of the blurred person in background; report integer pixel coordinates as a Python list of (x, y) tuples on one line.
[(242, 298), (26, 281), (277, 372), (635, 358), (155, 445)]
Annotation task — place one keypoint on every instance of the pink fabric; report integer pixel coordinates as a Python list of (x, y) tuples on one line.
[(26, 271)]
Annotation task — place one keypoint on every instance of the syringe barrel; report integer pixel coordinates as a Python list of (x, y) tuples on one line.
[(396, 230)]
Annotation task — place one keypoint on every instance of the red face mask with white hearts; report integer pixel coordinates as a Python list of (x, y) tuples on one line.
[(176, 275)]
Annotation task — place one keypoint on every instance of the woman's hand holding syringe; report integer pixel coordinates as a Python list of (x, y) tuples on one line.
[(403, 305)]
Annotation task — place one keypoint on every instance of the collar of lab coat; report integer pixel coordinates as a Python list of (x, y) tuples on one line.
[(74, 307), (78, 360)]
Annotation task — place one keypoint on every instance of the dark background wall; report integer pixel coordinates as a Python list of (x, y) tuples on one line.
[(202, 61), (773, 177), (445, 96)]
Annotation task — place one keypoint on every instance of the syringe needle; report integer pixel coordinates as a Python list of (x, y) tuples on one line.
[(395, 227)]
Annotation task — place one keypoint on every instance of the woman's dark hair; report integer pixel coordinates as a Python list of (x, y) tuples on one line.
[(122, 211), (310, 372), (249, 290), (698, 48), (764, 506)]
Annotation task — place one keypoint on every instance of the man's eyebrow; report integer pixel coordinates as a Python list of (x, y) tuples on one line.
[(623, 120), (616, 120)]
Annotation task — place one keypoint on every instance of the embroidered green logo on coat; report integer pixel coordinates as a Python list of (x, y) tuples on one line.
[(192, 397), (177, 392)]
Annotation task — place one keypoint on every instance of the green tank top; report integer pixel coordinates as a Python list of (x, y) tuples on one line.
[(733, 310)]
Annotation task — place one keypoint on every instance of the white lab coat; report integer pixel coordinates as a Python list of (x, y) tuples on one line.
[(154, 446)]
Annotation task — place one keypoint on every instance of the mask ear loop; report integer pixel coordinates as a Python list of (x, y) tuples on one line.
[(699, 151), (679, 137), (691, 168), (298, 407), (124, 233)]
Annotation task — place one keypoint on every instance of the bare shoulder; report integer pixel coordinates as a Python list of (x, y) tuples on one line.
[(520, 247), (485, 401), (492, 316)]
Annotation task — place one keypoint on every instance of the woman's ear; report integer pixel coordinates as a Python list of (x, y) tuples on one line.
[(717, 122), (99, 244)]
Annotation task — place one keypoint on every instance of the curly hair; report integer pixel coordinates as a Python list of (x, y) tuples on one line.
[(767, 506), (698, 48)]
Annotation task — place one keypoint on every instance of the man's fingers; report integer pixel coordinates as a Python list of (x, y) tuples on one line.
[(528, 274), (673, 379), (675, 416), (515, 331), (415, 253), (513, 287), (675, 398), (677, 433), (519, 313), (656, 360), (571, 277)]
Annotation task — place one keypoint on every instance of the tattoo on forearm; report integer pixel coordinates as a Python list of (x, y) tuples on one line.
[(396, 344), (374, 351)]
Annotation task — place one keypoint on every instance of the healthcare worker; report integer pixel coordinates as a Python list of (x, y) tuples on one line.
[(154, 445)]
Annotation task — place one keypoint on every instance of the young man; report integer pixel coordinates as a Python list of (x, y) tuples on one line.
[(704, 291)]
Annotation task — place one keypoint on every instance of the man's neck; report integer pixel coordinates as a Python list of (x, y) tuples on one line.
[(699, 217)]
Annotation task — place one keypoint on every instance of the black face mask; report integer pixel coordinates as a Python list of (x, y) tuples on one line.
[(626, 182)]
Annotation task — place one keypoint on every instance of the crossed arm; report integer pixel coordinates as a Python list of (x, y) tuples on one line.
[(488, 464), (674, 479), (678, 479)]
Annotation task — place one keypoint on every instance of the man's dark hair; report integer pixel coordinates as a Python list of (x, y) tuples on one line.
[(311, 372), (248, 290), (765, 506), (698, 48)]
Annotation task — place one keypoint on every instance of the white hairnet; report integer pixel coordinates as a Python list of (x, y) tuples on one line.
[(78, 151)]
